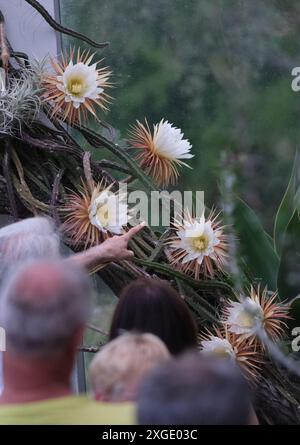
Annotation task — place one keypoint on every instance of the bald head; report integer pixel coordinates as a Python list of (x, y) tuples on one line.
[(43, 284), (42, 305)]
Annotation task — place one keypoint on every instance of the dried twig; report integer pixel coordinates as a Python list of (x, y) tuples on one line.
[(8, 179), (93, 349), (62, 29), (92, 327), (54, 197)]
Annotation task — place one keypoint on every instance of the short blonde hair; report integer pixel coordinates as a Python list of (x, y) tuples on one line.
[(124, 361)]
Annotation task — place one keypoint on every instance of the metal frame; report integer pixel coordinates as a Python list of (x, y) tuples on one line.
[(79, 376), (57, 16)]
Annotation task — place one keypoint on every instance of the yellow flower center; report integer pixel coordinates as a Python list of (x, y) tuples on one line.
[(102, 214), (75, 86), (246, 320), (221, 352), (200, 243)]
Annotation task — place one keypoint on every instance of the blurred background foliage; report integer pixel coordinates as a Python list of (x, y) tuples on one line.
[(221, 71)]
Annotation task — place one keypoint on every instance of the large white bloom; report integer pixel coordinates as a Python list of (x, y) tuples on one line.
[(108, 212), (218, 346), (168, 142), (160, 150), (244, 317), (77, 87), (79, 82), (198, 239)]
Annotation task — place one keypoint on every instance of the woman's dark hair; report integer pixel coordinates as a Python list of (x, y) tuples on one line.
[(152, 305)]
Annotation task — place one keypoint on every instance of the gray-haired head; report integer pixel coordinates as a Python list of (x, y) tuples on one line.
[(43, 305), (29, 239), (195, 390)]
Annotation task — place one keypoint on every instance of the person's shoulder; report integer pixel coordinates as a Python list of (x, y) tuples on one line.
[(36, 412), (71, 410), (103, 413)]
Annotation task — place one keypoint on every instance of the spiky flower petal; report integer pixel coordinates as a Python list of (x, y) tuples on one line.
[(76, 87), (259, 310), (93, 216), (161, 150), (221, 342), (199, 246)]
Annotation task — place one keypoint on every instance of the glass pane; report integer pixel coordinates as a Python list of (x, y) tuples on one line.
[(219, 70), (105, 302)]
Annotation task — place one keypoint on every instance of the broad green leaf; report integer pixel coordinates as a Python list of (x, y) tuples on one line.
[(255, 245), (286, 209), (289, 270)]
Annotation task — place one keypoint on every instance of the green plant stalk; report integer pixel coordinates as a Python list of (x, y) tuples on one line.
[(97, 141), (159, 246), (197, 303), (197, 284)]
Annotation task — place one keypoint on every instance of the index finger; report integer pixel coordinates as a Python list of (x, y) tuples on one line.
[(134, 230)]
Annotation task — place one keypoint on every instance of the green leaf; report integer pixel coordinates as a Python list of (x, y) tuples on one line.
[(255, 245), (289, 270), (286, 209)]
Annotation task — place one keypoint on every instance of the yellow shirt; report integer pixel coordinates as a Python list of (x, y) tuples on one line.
[(71, 410)]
